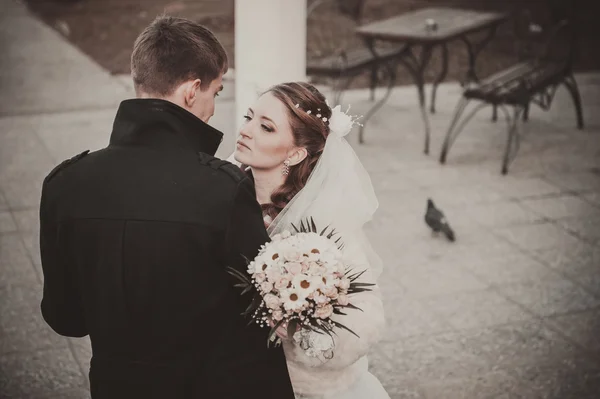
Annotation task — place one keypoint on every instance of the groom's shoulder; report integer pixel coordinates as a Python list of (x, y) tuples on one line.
[(66, 163), (226, 168)]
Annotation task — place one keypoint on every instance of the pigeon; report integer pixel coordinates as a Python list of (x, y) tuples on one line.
[(437, 221)]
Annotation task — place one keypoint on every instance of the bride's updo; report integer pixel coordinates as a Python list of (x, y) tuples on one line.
[(308, 115)]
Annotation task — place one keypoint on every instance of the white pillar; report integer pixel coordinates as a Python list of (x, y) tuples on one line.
[(270, 47)]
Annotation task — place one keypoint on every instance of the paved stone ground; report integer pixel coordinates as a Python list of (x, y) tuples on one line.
[(511, 310)]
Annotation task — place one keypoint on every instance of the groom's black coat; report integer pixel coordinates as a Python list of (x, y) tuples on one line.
[(135, 240)]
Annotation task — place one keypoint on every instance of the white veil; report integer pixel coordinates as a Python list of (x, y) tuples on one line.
[(338, 194)]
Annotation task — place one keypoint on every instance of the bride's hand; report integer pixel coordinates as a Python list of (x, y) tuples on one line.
[(281, 330)]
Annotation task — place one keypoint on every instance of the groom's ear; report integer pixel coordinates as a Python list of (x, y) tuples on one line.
[(190, 92), (297, 155)]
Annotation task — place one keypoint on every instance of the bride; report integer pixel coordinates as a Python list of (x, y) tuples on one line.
[(292, 144)]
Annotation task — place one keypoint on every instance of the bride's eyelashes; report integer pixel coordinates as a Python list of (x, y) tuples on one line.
[(264, 127)]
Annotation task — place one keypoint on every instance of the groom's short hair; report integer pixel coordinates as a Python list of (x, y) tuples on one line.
[(173, 50)]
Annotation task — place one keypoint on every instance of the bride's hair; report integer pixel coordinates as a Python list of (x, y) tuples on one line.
[(303, 102)]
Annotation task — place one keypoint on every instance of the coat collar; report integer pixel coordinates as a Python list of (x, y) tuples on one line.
[(161, 124)]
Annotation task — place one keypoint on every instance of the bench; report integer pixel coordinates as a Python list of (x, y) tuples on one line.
[(533, 80), (336, 53)]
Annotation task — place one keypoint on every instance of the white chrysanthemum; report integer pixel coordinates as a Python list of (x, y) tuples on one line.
[(293, 299), (251, 267), (306, 284), (315, 245), (271, 254), (260, 264)]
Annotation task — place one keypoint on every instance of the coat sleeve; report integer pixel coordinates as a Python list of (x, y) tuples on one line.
[(62, 305), (368, 323)]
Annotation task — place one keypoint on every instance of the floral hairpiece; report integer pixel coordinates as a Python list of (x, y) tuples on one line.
[(340, 123)]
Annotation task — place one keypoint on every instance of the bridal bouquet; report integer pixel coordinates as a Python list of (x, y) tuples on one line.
[(299, 282)]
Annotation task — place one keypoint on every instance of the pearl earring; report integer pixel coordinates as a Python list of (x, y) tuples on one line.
[(286, 167)]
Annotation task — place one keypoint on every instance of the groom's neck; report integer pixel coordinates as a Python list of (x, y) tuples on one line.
[(173, 99)]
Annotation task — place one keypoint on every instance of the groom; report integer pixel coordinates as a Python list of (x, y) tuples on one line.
[(135, 239)]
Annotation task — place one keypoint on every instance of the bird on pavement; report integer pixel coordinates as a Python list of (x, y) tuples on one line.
[(436, 220)]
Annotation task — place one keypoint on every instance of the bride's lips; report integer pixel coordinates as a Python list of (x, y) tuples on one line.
[(239, 143)]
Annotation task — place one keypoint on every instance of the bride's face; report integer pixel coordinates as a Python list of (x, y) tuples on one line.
[(265, 140)]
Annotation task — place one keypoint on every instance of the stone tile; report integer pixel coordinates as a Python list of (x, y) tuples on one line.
[(23, 192), (22, 329), (3, 202), (408, 318), (501, 214), (27, 220), (79, 393), (541, 236), (589, 280), (31, 241), (391, 290), (517, 344), (407, 222), (68, 134), (392, 182), (384, 367), (515, 267), (592, 198), (23, 157), (476, 309), (438, 279), (449, 176), (404, 390), (586, 227), (577, 182), (39, 374), (82, 350), (523, 187), (495, 385), (35, 37), (17, 273), (437, 357), (562, 207), (550, 297), (12, 250), (18, 295), (575, 258), (7, 223), (479, 245), (580, 263), (582, 328), (33, 85), (563, 379), (466, 196)]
